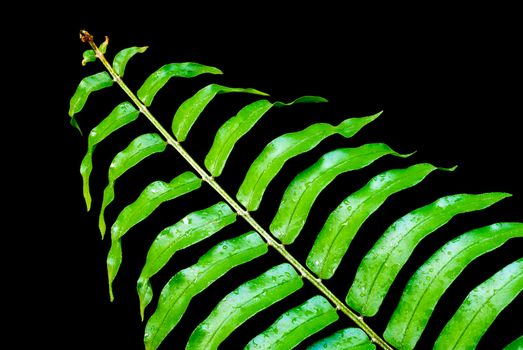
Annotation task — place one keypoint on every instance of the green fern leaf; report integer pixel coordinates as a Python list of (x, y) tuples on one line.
[(344, 222), (158, 79), (433, 278), (192, 229), (305, 188), (151, 197), (178, 292), (191, 109), (243, 303), (121, 115), (140, 148), (480, 308), (122, 57), (346, 339), (87, 85), (383, 262), (236, 127), (295, 325), (271, 160)]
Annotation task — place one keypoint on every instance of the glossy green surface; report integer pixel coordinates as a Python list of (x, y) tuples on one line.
[(182, 287), (191, 109), (305, 188), (87, 85), (295, 325), (346, 339), (343, 223), (151, 197), (122, 57), (236, 127), (140, 148), (381, 265), (242, 304), (121, 115), (434, 277), (480, 308), (192, 229), (274, 156), (158, 79)]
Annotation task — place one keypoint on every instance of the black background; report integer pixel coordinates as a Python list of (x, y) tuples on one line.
[(449, 88)]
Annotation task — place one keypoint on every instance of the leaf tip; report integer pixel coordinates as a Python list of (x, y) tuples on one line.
[(404, 155)]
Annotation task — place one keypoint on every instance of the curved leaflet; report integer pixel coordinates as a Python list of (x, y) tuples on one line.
[(242, 304), (192, 229), (234, 128), (305, 188), (295, 325), (87, 85), (140, 148), (151, 197), (480, 308), (121, 115), (122, 57), (380, 266), (182, 287), (158, 79), (346, 339), (90, 55), (344, 222), (271, 160), (190, 110), (434, 277), (515, 345)]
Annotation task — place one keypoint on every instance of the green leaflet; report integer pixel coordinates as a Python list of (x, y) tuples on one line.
[(182, 287), (140, 148), (515, 345), (151, 197), (480, 308), (87, 85), (122, 57), (271, 160), (242, 304), (346, 339), (380, 266), (234, 128), (192, 229), (344, 222), (121, 115), (158, 79), (433, 278), (305, 188), (90, 55), (295, 325), (190, 110)]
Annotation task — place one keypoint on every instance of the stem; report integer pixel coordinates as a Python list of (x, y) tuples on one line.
[(86, 37)]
